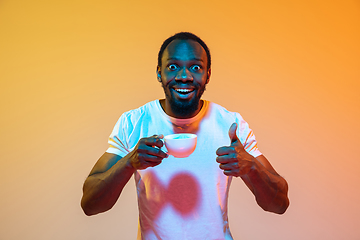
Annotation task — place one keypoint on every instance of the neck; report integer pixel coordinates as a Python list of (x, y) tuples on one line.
[(169, 111)]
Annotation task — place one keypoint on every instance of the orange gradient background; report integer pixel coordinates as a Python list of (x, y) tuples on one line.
[(69, 69)]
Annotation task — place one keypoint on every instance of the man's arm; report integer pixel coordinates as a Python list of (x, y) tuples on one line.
[(110, 174), (269, 188)]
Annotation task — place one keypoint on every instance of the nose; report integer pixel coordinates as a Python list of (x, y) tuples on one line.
[(184, 75)]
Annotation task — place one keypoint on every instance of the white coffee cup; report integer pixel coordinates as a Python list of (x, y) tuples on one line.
[(180, 145)]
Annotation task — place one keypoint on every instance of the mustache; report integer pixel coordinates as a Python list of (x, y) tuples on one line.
[(172, 84)]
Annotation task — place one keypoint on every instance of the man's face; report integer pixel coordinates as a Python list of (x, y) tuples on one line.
[(184, 75)]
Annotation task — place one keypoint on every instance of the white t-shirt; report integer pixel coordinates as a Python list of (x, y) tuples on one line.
[(182, 198)]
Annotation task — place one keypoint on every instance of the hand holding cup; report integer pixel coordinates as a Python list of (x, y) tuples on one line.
[(147, 152)]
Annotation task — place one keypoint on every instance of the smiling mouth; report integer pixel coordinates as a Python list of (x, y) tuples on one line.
[(183, 90)]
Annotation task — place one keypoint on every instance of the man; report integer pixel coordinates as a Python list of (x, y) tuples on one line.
[(182, 198)]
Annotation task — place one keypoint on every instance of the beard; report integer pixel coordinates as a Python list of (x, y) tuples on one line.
[(184, 107)]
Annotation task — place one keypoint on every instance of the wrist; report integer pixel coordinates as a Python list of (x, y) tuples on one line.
[(130, 163), (255, 167)]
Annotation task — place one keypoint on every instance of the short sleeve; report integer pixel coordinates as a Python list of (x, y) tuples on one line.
[(247, 137), (118, 139)]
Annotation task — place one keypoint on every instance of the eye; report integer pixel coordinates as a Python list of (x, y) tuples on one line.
[(195, 68), (172, 67)]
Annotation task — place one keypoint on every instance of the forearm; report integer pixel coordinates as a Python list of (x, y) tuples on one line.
[(101, 190), (270, 189)]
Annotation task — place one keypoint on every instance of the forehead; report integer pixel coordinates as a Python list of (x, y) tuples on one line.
[(184, 50)]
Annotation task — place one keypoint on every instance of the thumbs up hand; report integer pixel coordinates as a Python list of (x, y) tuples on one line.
[(234, 160)]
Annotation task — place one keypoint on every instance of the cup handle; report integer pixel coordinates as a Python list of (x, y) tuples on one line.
[(163, 148)]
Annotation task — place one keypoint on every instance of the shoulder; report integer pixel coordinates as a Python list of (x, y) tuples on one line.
[(132, 117), (147, 108), (226, 118), (222, 111)]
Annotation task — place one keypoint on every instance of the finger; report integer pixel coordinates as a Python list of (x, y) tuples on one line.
[(231, 173), (225, 150), (154, 151), (230, 158), (154, 140), (150, 159), (158, 136), (232, 133), (229, 166), (153, 164)]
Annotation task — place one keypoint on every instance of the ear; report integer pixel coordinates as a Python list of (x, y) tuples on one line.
[(208, 75), (158, 73)]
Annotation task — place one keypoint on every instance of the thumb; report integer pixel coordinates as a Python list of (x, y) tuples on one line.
[(232, 133)]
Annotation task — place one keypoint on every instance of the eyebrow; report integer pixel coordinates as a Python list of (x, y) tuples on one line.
[(194, 59)]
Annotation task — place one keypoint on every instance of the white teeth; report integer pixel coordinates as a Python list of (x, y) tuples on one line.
[(182, 90)]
